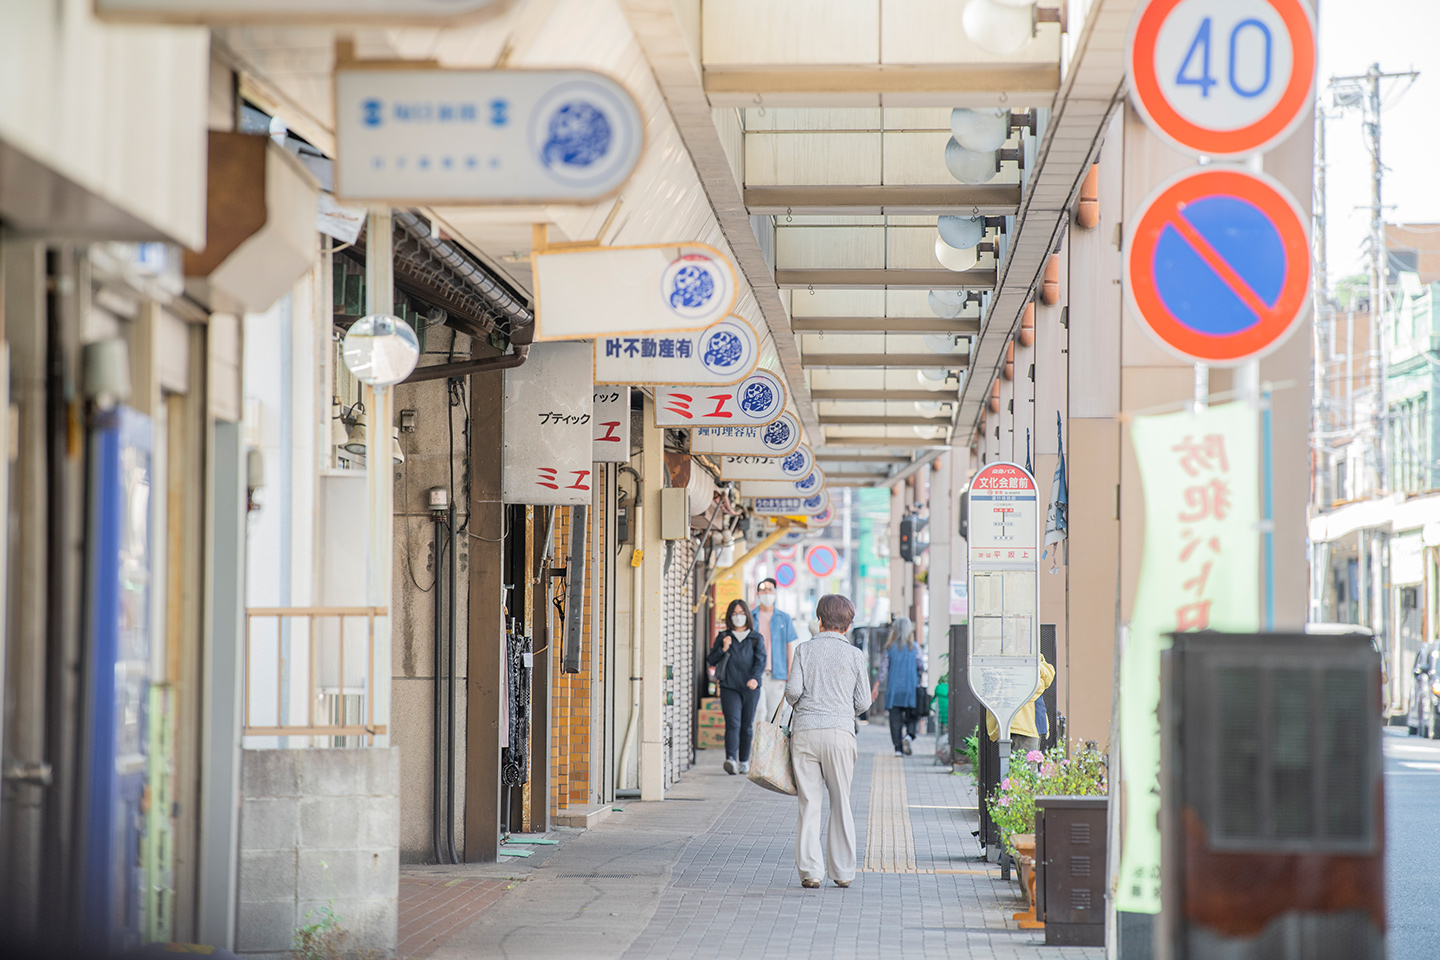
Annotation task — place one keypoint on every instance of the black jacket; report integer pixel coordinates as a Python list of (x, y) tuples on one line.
[(747, 659)]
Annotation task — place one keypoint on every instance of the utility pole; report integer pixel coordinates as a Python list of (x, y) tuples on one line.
[(1364, 89)]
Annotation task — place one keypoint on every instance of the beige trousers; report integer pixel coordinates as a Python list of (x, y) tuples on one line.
[(774, 695), (824, 761)]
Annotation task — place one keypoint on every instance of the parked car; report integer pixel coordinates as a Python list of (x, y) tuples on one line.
[(1424, 717)]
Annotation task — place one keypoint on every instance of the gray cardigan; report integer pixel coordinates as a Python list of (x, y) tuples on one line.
[(829, 684)]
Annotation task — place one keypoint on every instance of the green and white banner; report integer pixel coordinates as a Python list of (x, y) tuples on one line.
[(1200, 571)]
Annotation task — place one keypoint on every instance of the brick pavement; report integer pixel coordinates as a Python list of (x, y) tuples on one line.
[(711, 874), (432, 907)]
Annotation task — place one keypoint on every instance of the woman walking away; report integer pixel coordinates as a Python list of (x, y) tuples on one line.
[(738, 656), (900, 671), (827, 686)]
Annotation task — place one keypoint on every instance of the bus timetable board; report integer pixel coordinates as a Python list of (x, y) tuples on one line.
[(1004, 654)]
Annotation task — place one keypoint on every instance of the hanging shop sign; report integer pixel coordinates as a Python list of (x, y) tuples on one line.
[(775, 439), (793, 466), (327, 12), (429, 137), (814, 482), (821, 521), (792, 506), (1217, 265), (549, 427), (600, 292), (1223, 78), (822, 560), (1200, 570), (723, 353), (611, 434), (1004, 589), (755, 401)]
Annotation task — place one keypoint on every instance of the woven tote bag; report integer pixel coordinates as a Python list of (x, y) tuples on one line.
[(770, 764)]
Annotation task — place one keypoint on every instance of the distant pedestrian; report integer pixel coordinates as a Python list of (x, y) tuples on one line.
[(738, 656), (827, 686), (778, 630), (902, 672)]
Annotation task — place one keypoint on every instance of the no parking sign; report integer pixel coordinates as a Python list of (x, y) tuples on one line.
[(1217, 265)]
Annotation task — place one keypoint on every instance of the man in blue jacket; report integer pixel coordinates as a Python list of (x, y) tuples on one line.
[(778, 630)]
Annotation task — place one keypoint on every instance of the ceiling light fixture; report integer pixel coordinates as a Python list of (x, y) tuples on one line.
[(980, 130), (969, 166), (1000, 27), (952, 259), (962, 233)]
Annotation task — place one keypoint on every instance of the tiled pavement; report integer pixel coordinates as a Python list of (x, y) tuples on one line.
[(710, 873), (434, 906)]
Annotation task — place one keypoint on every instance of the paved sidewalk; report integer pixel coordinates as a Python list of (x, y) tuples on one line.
[(710, 873)]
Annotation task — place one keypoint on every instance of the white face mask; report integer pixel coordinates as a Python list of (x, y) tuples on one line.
[(737, 621), (767, 600)]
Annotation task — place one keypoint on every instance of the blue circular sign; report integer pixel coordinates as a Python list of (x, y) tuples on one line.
[(583, 133), (785, 574)]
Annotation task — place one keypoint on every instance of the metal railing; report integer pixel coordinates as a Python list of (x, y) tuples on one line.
[(337, 704)]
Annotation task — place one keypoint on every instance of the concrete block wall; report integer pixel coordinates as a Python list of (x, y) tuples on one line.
[(319, 827)]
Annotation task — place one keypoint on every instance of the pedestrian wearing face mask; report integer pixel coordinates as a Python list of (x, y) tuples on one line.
[(778, 630), (738, 656)]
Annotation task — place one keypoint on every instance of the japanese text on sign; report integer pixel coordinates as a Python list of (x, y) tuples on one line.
[(611, 435), (548, 414)]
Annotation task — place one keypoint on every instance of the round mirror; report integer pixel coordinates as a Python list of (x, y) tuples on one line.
[(380, 350)]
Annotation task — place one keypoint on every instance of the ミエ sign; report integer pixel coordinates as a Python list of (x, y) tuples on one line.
[(1223, 78), (416, 137), (754, 401), (601, 292), (1004, 652), (548, 425), (1217, 265)]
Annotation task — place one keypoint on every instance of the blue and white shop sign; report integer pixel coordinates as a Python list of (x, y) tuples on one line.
[(792, 506), (328, 12), (723, 353), (775, 439), (549, 415), (428, 136), (755, 401), (791, 467), (804, 487), (600, 292), (612, 423)]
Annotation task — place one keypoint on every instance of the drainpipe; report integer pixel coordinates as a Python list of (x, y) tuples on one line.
[(520, 340), (632, 728)]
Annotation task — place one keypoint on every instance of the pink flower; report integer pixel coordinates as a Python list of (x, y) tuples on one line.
[(1034, 756), (1005, 784), (1004, 801)]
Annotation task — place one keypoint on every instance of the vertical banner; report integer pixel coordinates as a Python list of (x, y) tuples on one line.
[(612, 423), (549, 442), (1200, 571)]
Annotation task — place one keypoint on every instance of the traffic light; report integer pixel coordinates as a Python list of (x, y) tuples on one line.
[(913, 538)]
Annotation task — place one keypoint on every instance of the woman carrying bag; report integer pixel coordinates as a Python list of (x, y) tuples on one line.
[(738, 656)]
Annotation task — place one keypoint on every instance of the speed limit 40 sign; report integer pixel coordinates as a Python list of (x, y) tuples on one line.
[(1223, 78)]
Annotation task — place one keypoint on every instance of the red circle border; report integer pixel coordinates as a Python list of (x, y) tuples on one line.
[(1271, 199), (1263, 133)]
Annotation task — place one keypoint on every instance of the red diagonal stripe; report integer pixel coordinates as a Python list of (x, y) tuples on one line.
[(1222, 268), (1227, 274)]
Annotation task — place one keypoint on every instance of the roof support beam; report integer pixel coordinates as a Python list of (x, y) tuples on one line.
[(994, 200), (869, 279), (837, 420), (907, 443), (963, 326), (860, 458), (873, 85), (919, 396), (918, 361)]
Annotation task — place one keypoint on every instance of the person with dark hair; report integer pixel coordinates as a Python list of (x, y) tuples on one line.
[(828, 685), (901, 672), (738, 656), (778, 630)]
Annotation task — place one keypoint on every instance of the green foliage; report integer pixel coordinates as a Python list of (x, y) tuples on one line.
[(321, 936), (1012, 807), (972, 756), (1349, 290)]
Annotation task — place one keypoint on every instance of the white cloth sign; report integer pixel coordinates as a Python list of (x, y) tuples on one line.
[(599, 292), (612, 424), (548, 414), (755, 401), (775, 439), (725, 352), (794, 466)]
